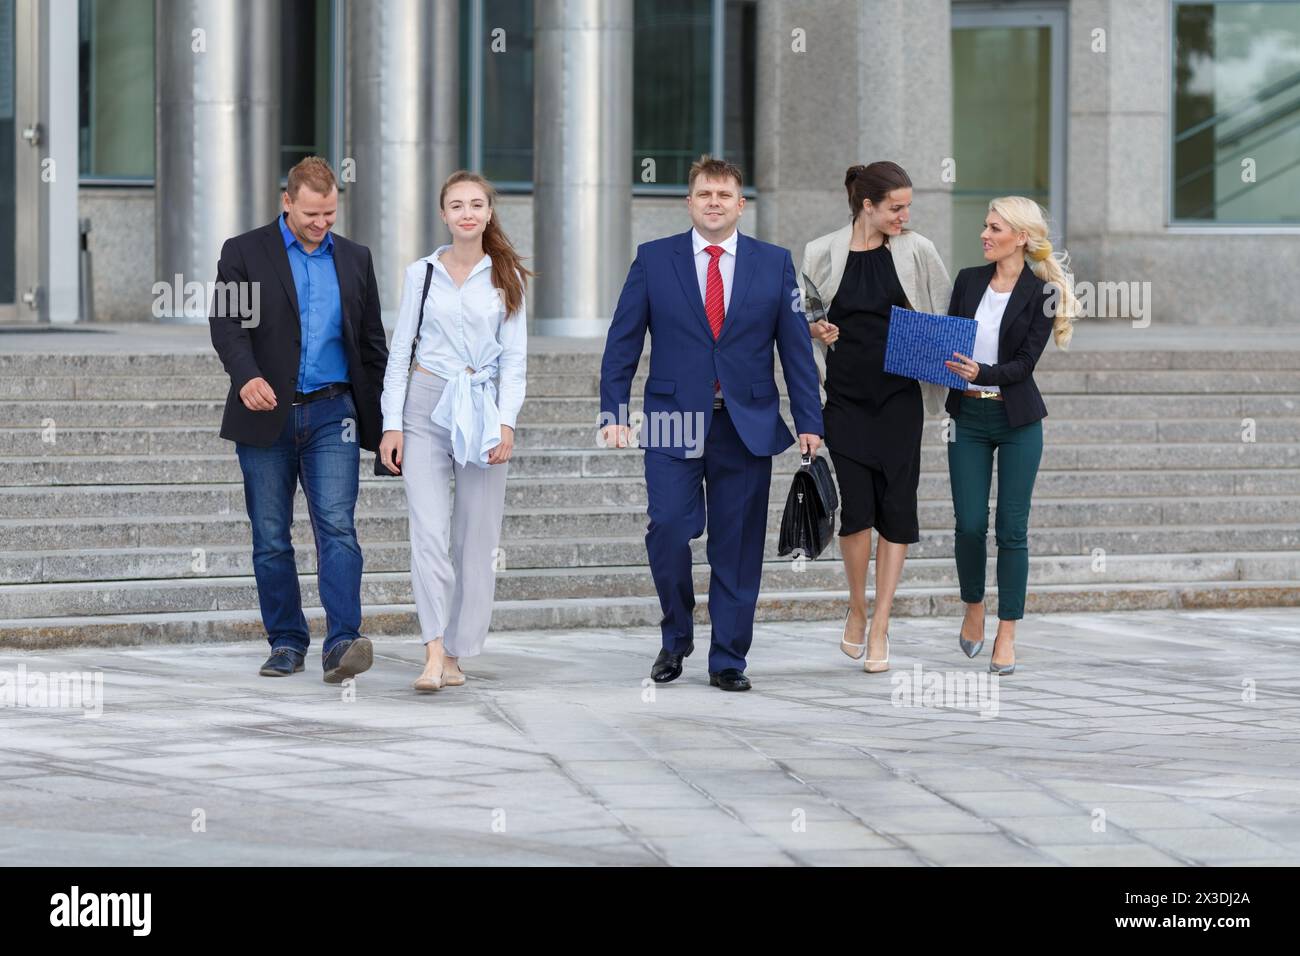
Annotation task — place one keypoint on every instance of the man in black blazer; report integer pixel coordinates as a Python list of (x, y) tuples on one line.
[(306, 367)]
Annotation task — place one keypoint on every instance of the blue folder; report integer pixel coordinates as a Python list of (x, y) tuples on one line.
[(920, 342)]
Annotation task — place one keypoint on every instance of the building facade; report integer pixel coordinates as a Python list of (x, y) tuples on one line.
[(1163, 136)]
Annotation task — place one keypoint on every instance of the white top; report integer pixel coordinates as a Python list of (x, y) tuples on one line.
[(726, 264), (989, 316), (467, 340)]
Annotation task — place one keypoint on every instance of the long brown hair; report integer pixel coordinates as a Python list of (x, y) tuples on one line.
[(508, 272)]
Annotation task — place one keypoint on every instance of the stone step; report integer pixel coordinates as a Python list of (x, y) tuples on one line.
[(399, 620), (24, 543), (1263, 494), (585, 411), (547, 359), (230, 559), (206, 593), (1052, 380), (181, 441), (180, 487), (73, 474), (601, 535)]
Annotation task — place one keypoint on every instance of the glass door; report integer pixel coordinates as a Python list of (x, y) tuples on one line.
[(1008, 114), (8, 146)]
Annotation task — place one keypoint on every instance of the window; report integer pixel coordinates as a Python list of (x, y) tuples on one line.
[(306, 74), (672, 92), (693, 88), (1236, 130), (117, 87), (506, 125), (117, 96)]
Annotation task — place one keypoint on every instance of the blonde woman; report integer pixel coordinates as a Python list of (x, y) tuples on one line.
[(453, 413), (873, 419), (1023, 295)]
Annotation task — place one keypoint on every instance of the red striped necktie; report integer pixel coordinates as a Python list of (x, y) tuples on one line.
[(714, 302)]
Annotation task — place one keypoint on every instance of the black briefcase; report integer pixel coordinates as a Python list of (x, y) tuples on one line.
[(809, 518)]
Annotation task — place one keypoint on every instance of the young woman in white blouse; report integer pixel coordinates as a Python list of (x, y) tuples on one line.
[(453, 412), (1023, 295)]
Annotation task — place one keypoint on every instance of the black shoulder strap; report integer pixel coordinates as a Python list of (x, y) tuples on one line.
[(419, 316)]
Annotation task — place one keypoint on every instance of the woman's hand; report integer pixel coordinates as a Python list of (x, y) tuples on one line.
[(390, 450), (824, 332), (965, 366), (501, 453)]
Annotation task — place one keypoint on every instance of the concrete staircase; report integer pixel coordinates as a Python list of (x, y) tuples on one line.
[(122, 516)]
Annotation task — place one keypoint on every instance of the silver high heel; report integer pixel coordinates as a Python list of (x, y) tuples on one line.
[(866, 665), (844, 645), (969, 648), (1002, 670)]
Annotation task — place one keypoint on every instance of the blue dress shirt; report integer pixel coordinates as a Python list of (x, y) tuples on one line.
[(320, 312)]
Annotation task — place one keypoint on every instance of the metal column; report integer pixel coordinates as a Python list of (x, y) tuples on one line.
[(218, 132), (403, 129), (582, 167)]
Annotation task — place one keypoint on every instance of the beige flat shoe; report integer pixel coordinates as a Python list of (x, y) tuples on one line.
[(427, 685), (454, 679)]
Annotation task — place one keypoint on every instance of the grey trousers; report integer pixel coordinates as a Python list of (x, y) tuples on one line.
[(453, 552)]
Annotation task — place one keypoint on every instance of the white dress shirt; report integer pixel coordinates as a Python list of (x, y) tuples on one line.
[(989, 316), (726, 264), (467, 339)]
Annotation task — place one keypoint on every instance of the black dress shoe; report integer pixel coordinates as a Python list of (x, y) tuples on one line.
[(348, 659), (729, 679), (668, 666), (282, 662)]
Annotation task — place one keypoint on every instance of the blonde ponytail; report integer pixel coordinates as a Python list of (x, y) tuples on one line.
[(1052, 267)]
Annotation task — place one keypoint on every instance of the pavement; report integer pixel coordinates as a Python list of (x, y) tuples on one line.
[(1123, 739)]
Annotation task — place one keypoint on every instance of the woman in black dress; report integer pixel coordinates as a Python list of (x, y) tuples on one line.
[(873, 419)]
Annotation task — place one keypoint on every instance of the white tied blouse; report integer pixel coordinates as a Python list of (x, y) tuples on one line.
[(988, 315), (467, 340)]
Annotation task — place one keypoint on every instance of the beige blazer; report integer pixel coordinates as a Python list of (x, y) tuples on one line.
[(920, 271)]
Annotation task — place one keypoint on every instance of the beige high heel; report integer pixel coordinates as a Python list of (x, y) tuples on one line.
[(866, 666), (845, 645)]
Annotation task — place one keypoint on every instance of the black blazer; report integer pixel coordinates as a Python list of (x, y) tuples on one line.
[(1026, 324), (271, 348)]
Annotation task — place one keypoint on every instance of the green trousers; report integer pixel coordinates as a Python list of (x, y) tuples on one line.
[(979, 430)]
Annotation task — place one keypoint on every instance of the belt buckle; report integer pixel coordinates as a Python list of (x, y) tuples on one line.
[(984, 394)]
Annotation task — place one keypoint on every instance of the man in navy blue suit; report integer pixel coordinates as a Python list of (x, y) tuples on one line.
[(715, 302)]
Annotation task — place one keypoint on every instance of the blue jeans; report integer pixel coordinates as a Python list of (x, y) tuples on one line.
[(320, 447)]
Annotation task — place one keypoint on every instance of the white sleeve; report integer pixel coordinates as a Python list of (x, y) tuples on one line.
[(398, 369), (513, 363)]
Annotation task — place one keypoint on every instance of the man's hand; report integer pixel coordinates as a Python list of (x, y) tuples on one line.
[(501, 453), (614, 436), (390, 450), (824, 332), (257, 395), (808, 444)]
